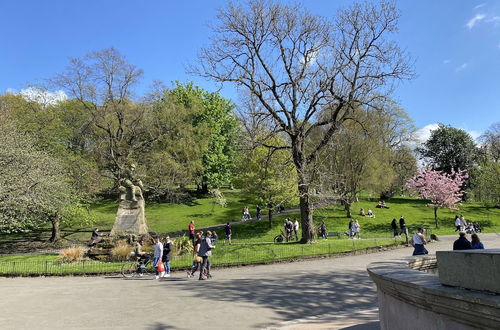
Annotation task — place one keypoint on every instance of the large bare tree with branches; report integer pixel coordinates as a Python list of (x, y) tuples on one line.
[(297, 64)]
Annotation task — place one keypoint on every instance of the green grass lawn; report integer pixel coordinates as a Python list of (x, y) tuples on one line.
[(167, 218)]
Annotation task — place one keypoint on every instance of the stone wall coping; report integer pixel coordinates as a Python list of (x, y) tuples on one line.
[(403, 280), (470, 269)]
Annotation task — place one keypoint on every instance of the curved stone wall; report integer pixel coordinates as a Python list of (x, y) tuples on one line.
[(410, 298)]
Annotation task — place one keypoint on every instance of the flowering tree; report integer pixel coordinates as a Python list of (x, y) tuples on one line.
[(444, 190)]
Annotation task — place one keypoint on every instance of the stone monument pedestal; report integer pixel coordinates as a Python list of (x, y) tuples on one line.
[(130, 219)]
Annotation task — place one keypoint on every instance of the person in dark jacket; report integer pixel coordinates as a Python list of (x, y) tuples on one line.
[(462, 243), (167, 255), (394, 227), (205, 252)]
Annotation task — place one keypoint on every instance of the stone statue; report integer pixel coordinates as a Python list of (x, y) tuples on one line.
[(131, 187), (130, 218)]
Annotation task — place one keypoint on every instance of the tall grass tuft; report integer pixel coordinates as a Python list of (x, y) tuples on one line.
[(121, 251), (71, 254)]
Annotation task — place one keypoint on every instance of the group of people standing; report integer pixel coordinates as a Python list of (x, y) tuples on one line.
[(462, 226), (291, 227)]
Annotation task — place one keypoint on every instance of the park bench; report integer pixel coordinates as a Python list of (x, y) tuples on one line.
[(335, 234)]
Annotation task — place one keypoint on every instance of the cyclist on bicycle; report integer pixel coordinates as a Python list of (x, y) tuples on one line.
[(142, 257)]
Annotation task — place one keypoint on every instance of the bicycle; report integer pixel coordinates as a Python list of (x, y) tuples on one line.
[(281, 237), (137, 267)]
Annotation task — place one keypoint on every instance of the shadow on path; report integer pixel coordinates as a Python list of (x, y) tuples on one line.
[(295, 296)]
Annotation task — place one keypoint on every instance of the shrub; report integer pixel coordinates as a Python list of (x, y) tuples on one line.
[(121, 251), (71, 254), (182, 245)]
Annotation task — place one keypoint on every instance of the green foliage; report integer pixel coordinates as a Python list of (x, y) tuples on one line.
[(449, 149), (267, 174), (487, 183), (33, 185), (217, 118)]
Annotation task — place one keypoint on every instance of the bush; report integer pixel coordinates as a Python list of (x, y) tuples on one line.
[(121, 251), (71, 254), (182, 245)]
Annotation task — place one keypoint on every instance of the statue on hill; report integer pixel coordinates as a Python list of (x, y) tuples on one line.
[(130, 218)]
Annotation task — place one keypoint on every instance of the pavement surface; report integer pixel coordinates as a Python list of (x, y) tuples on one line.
[(328, 293)]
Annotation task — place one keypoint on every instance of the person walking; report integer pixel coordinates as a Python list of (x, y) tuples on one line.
[(403, 229), (322, 229), (196, 260), (205, 251), (191, 230), (158, 253), (463, 223), (356, 229), (462, 243), (258, 209), (457, 223), (167, 256), (476, 242), (394, 227), (350, 225), (228, 231), (296, 229), (418, 241)]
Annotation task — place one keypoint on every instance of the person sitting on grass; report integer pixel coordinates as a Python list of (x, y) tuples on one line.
[(362, 212), (370, 213)]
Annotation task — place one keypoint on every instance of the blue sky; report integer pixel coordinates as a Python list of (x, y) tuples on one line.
[(455, 44)]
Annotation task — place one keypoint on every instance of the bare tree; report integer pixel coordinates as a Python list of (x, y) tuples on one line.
[(102, 82), (297, 64)]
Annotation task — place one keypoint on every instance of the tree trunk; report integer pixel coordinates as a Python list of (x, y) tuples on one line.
[(270, 217), (347, 206), (436, 217), (305, 211), (56, 231)]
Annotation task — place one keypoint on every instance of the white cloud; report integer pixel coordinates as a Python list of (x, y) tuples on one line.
[(474, 20), (43, 96), (474, 134), (480, 5), (424, 133), (461, 67)]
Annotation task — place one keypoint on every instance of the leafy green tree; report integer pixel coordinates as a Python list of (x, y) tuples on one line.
[(217, 118), (363, 155), (449, 149), (486, 182), (267, 175), (33, 187)]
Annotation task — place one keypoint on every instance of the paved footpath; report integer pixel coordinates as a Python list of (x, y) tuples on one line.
[(330, 293)]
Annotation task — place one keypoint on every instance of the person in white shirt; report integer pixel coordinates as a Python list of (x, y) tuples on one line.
[(418, 241), (296, 229), (157, 255)]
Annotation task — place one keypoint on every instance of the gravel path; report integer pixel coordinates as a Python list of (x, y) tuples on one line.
[(330, 293)]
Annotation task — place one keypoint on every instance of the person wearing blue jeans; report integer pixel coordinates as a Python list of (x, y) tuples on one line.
[(167, 255), (157, 255)]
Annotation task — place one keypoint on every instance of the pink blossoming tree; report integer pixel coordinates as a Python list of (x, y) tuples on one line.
[(444, 190)]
